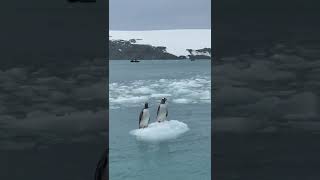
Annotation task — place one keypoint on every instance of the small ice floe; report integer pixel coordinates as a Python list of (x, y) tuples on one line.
[(163, 131)]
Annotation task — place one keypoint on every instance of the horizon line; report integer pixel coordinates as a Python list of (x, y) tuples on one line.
[(163, 29)]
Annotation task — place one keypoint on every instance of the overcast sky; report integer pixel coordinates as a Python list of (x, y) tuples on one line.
[(159, 14)]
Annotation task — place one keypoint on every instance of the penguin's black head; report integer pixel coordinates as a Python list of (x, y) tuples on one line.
[(146, 105), (163, 100)]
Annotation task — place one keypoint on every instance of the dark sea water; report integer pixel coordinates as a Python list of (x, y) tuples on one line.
[(186, 85)]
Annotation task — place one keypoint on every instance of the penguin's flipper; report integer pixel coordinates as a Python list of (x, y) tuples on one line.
[(158, 110), (167, 113), (140, 117)]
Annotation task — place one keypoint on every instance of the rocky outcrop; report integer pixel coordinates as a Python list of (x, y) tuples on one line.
[(124, 50), (204, 53)]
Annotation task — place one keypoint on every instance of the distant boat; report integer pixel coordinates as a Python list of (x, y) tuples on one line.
[(134, 60)]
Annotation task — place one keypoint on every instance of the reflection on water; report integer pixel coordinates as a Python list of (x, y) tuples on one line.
[(154, 156), (151, 153)]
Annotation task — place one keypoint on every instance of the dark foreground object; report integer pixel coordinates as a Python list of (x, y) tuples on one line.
[(102, 167)]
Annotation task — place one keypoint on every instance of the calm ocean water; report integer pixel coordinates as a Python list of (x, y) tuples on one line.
[(186, 85)]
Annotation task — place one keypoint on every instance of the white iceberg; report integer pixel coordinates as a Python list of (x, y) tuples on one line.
[(163, 131)]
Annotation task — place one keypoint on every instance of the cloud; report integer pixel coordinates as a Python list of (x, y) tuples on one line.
[(159, 14)]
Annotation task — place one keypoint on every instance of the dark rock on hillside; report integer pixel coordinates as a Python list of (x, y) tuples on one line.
[(121, 49), (204, 53)]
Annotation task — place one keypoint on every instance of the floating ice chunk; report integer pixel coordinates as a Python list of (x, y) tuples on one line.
[(182, 101), (129, 99), (158, 95), (143, 90), (163, 131), (180, 91)]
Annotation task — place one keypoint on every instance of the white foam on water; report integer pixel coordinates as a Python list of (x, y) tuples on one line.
[(180, 91), (143, 90), (160, 95), (129, 99), (157, 132)]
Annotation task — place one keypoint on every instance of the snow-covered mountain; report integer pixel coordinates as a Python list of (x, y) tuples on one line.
[(199, 53), (176, 41)]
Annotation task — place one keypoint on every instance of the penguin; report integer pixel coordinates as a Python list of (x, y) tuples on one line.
[(144, 117), (162, 112)]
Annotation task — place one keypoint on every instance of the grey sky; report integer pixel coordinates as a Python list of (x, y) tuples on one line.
[(159, 14)]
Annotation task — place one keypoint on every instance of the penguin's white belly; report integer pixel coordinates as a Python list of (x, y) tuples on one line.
[(145, 118), (162, 115)]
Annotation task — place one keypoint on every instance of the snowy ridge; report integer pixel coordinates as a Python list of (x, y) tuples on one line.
[(200, 52), (177, 41)]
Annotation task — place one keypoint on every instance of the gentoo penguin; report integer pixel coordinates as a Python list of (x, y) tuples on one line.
[(144, 117), (162, 111)]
